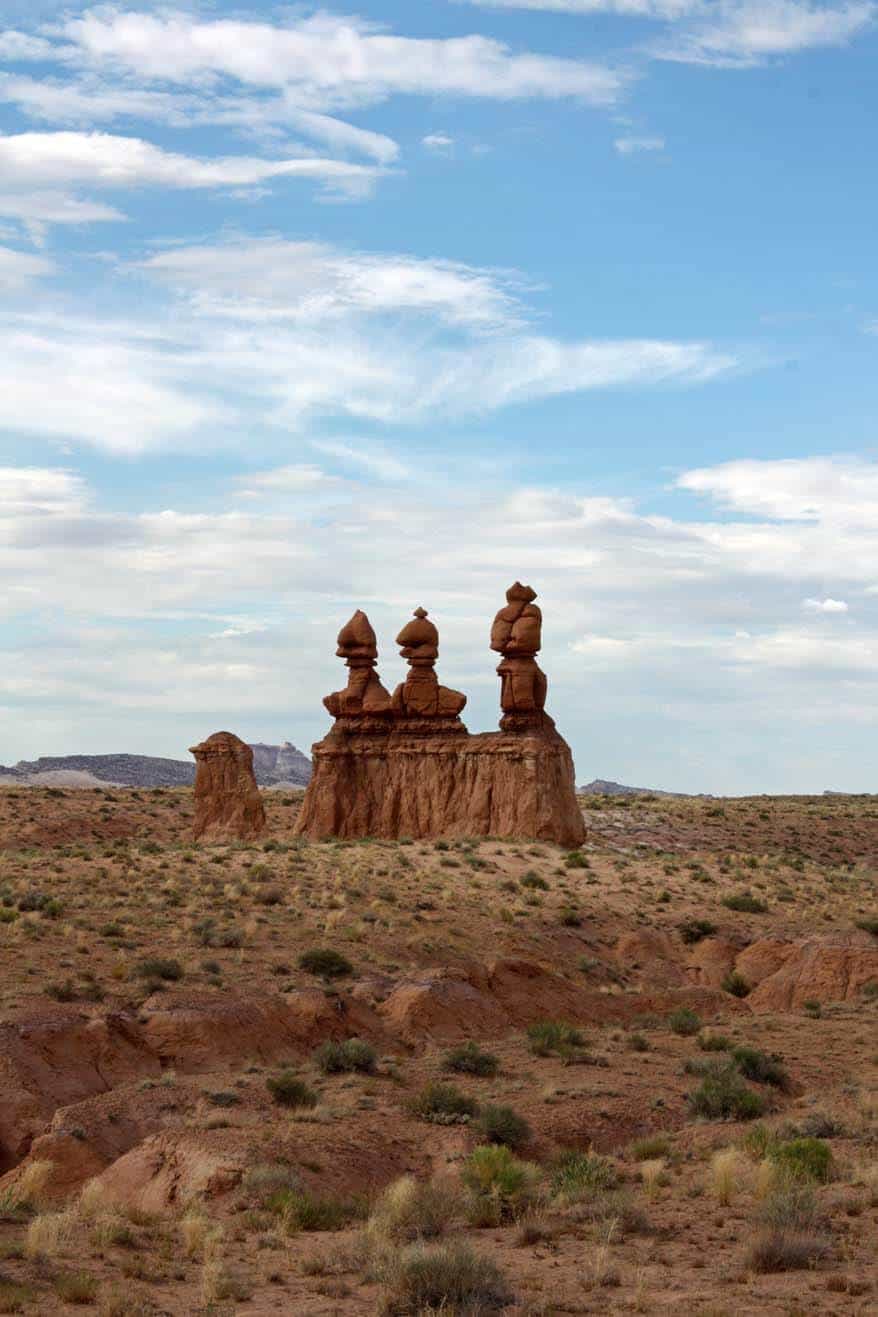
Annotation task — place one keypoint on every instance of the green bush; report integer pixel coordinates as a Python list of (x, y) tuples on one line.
[(353, 1054), (713, 1042), (503, 1125), (684, 1022), (723, 1094), (745, 903), (693, 930), (534, 882), (500, 1183), (469, 1059), (735, 984), (804, 1159), (576, 860), (447, 1278), (443, 1104), (760, 1067), (578, 1175), (299, 1209), (325, 962), (290, 1091), (554, 1036), (159, 967)]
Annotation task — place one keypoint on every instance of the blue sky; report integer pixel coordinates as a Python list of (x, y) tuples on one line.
[(309, 309)]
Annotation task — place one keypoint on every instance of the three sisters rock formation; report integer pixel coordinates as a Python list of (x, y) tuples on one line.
[(404, 765)]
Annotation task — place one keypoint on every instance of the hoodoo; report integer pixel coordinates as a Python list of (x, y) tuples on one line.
[(228, 806), (406, 766)]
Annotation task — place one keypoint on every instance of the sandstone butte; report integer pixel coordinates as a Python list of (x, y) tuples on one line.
[(406, 766), (228, 805)]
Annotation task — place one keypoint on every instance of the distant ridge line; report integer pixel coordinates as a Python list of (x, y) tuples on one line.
[(272, 764)]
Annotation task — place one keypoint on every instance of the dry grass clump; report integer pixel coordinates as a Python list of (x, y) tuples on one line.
[(728, 1169), (194, 1228), (653, 1175), (502, 1186), (446, 1278), (48, 1233), (219, 1281), (410, 1209)]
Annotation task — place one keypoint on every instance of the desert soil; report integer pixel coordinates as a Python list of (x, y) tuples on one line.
[(151, 991)]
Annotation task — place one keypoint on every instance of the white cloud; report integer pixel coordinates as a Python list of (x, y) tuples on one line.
[(726, 33), (634, 145), (35, 162), (376, 461), (310, 282), (274, 335), (40, 491), (87, 383), (829, 490), (747, 32), (23, 46), (437, 142), (824, 606), (328, 61), (298, 478), (18, 269)]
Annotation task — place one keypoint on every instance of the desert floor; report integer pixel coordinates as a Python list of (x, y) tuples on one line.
[(157, 1026)]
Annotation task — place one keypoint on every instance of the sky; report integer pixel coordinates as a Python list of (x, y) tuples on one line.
[(310, 309)]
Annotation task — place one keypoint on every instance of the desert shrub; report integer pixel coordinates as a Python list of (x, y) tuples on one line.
[(789, 1237), (578, 1175), (533, 880), (713, 1042), (735, 984), (470, 1059), (290, 1091), (500, 1183), (449, 1278), (411, 1209), (61, 991), (353, 1054), (745, 903), (14, 1297), (503, 1125), (160, 967), (265, 1179), (869, 925), (759, 1141), (443, 1104), (300, 1209), (576, 860), (723, 1095), (760, 1067), (693, 930), (727, 1170), (570, 917), (76, 1287), (325, 962), (554, 1036), (684, 1022), (651, 1147), (803, 1159)]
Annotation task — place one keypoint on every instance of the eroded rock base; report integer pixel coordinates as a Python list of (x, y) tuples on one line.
[(443, 783)]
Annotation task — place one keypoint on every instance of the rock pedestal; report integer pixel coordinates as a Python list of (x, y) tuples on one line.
[(418, 773), (228, 806)]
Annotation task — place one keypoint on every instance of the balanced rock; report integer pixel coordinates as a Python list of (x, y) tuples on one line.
[(421, 697), (228, 806), (364, 698)]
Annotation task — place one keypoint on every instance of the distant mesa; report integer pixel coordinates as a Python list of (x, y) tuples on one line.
[(273, 765)]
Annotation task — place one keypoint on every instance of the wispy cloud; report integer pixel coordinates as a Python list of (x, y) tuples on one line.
[(633, 145)]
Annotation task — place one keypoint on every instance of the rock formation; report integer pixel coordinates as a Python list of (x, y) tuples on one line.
[(408, 767), (421, 697), (517, 635), (364, 698), (228, 806)]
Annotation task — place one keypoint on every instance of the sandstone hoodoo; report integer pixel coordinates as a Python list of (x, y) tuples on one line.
[(228, 806), (406, 765)]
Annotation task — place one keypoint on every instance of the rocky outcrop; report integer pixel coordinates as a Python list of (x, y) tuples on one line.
[(407, 767), (820, 969), (228, 806)]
